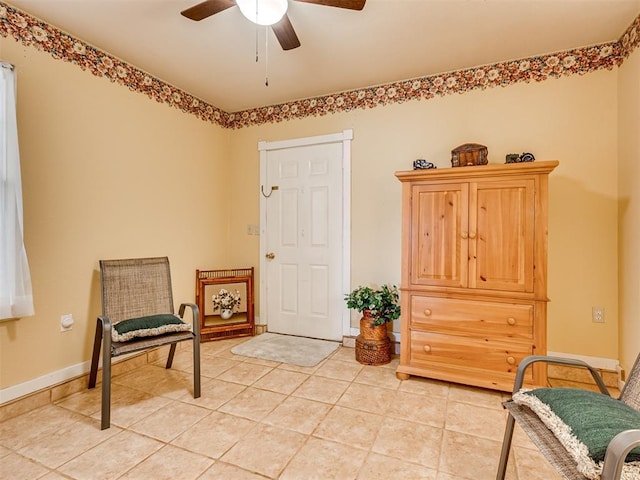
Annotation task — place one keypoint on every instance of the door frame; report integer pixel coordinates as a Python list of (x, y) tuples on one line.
[(264, 147)]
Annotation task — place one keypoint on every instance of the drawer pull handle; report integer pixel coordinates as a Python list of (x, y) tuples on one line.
[(511, 360), (472, 235), (464, 235), (427, 348), (427, 312), (511, 321)]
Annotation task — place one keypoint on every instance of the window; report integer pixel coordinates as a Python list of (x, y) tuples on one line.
[(16, 299)]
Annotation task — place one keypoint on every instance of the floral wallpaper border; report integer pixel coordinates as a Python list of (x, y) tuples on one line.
[(30, 31)]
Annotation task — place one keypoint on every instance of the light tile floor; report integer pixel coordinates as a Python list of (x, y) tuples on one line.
[(258, 419)]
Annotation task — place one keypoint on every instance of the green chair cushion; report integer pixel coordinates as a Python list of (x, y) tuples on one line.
[(583, 421), (148, 326)]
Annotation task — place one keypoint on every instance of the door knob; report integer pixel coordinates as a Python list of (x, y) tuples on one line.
[(270, 255)]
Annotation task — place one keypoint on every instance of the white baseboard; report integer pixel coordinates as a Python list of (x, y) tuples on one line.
[(54, 378), (596, 362), (45, 381)]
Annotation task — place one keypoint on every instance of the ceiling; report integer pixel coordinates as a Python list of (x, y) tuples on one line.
[(389, 40)]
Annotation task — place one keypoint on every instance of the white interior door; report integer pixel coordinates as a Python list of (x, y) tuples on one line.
[(303, 264)]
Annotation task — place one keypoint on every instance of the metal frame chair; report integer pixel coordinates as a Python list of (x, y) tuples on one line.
[(135, 288), (547, 443)]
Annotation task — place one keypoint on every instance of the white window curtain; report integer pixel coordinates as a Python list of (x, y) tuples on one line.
[(16, 299)]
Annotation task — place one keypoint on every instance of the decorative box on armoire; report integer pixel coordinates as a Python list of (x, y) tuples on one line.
[(474, 272)]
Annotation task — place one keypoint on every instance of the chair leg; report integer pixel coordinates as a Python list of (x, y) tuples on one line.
[(172, 352), (506, 447), (196, 369), (95, 357), (195, 312), (106, 380)]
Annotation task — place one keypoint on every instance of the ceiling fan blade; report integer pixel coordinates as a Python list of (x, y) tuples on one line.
[(207, 8), (285, 34), (350, 4)]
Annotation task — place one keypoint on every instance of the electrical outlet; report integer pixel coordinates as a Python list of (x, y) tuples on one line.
[(66, 322), (597, 314)]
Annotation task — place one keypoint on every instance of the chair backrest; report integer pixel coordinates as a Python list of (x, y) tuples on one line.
[(631, 392), (135, 287)]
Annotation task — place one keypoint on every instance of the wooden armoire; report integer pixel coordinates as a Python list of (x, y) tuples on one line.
[(474, 272)]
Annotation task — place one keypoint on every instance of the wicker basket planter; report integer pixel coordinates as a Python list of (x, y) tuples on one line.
[(373, 352), (378, 307), (373, 346), (370, 331)]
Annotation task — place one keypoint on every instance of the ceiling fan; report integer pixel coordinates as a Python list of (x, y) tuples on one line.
[(266, 12)]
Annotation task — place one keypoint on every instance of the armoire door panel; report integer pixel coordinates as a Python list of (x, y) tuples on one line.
[(438, 242), (502, 235)]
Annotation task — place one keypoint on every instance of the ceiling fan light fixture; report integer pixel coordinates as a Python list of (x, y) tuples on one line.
[(263, 12)]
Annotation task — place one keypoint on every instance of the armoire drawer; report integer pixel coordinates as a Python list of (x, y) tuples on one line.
[(472, 318), (433, 350)]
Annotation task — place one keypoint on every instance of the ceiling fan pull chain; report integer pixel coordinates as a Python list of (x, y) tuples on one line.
[(257, 28), (266, 57)]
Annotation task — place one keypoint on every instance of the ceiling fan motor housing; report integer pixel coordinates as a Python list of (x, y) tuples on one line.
[(263, 12), (266, 12)]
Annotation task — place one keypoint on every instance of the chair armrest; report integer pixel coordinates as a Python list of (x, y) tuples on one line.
[(195, 316), (617, 451), (106, 325), (106, 334), (522, 367)]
